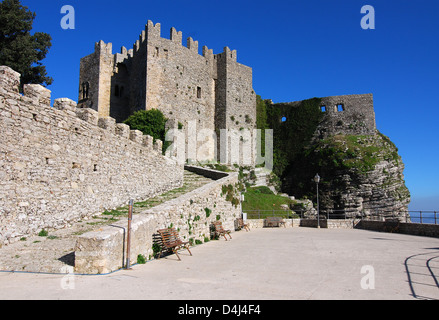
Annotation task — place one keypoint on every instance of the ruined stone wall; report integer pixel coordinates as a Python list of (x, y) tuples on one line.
[(61, 164), (349, 114)]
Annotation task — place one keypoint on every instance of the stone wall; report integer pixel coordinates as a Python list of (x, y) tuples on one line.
[(416, 229), (191, 215), (204, 92), (349, 114), (61, 164)]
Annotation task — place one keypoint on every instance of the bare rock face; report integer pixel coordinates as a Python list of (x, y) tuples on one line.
[(361, 175)]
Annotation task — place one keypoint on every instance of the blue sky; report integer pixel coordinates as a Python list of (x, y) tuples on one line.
[(297, 49)]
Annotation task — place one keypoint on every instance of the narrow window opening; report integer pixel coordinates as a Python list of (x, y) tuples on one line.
[(157, 50), (340, 108), (95, 167), (323, 108), (47, 160), (85, 90), (166, 53), (199, 92)]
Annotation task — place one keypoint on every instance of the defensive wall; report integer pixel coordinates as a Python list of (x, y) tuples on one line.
[(62, 164), (191, 214)]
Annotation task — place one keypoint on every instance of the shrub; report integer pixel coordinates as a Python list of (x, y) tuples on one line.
[(141, 259)]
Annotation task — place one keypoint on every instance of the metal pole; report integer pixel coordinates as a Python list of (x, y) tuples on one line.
[(130, 218), (318, 207)]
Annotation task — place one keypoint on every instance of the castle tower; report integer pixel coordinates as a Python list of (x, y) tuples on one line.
[(96, 71), (202, 92)]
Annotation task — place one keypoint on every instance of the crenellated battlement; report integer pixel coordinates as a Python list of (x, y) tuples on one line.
[(56, 159), (40, 97), (152, 33)]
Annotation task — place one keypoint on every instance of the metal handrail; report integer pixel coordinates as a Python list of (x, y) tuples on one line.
[(422, 216)]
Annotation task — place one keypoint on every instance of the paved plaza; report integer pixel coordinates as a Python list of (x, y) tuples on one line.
[(264, 264)]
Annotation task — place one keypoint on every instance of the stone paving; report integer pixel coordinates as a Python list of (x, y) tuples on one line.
[(263, 264), (54, 252)]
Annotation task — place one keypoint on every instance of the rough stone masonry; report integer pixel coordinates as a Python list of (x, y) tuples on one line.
[(157, 73), (60, 164)]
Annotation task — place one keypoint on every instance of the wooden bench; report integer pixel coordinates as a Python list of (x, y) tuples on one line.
[(274, 222), (243, 225), (219, 230), (171, 242)]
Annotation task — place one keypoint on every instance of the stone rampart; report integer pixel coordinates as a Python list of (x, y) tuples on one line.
[(191, 215), (62, 164)]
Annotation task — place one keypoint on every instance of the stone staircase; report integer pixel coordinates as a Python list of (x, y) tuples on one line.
[(56, 251), (191, 181)]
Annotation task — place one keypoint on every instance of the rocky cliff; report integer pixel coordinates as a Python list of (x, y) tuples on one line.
[(360, 168), (359, 174)]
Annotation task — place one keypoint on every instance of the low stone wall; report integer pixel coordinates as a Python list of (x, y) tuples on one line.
[(260, 223), (308, 223), (192, 214), (416, 229)]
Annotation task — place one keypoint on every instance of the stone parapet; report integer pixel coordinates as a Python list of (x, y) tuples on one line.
[(192, 214)]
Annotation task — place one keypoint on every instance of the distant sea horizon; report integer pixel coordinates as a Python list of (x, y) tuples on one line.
[(425, 208)]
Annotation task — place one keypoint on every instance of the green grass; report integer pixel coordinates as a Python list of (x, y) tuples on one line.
[(263, 200)]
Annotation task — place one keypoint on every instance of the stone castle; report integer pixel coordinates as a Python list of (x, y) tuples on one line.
[(63, 163), (212, 89)]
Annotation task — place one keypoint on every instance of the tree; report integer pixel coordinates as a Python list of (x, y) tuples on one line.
[(150, 122), (19, 49)]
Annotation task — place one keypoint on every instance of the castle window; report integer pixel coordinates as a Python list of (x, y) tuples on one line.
[(340, 108), (199, 92), (166, 52), (323, 108), (157, 51), (85, 89)]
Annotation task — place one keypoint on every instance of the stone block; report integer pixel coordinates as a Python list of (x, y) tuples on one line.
[(158, 145), (65, 104), (89, 115), (148, 141), (123, 130), (107, 123), (9, 79), (136, 136), (38, 93)]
